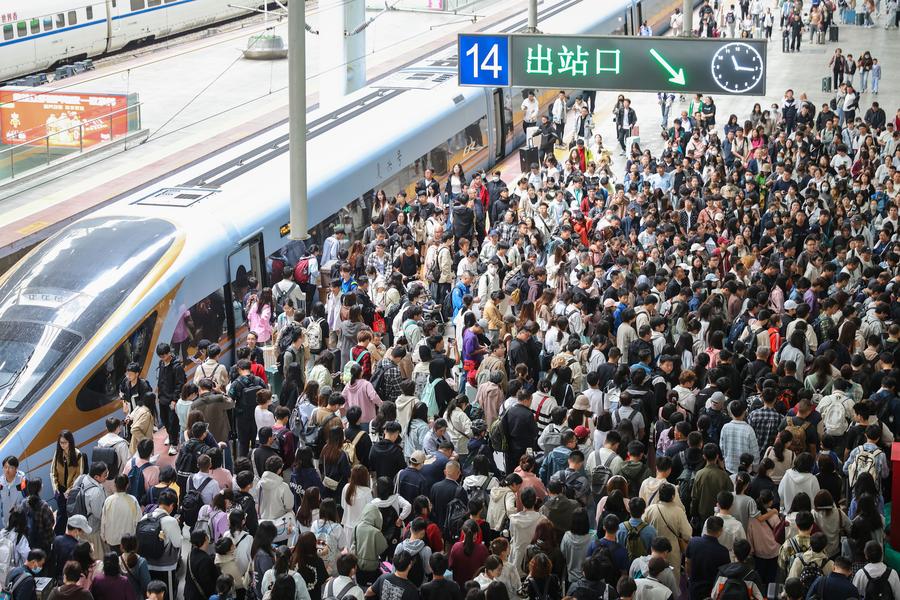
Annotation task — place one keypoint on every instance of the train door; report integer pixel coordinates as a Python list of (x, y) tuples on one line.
[(244, 264), (628, 28), (499, 124), (639, 14)]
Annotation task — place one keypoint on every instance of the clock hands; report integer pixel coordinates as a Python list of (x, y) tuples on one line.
[(737, 67)]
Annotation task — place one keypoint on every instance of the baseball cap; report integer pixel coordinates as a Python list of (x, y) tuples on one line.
[(581, 432), (79, 522), (417, 458), (717, 398), (790, 305), (609, 303), (483, 323)]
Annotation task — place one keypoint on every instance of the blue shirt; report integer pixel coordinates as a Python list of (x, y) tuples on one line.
[(459, 291), (619, 554), (647, 533)]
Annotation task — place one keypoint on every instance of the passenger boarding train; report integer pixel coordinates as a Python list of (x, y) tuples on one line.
[(38, 34), (169, 262)]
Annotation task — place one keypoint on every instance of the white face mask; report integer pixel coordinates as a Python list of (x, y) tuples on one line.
[(492, 269)]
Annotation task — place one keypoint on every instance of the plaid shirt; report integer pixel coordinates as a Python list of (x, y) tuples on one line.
[(390, 380), (766, 422), (508, 232), (737, 438)]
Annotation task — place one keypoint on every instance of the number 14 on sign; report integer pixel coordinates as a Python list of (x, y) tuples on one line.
[(484, 60)]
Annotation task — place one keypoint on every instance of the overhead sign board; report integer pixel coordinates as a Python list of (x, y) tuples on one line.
[(617, 63)]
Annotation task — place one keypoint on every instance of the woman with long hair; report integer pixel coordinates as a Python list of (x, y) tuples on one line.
[(819, 380), (111, 583), (541, 583), (459, 427), (134, 566), (41, 533), (308, 512), (307, 562), (761, 534), (763, 481), (546, 539), (329, 535), (781, 455), (354, 498), (417, 429), (16, 532), (241, 540), (334, 465), (279, 576), (293, 383), (83, 555), (831, 521), (259, 315), (467, 556), (262, 555), (867, 525), (67, 465), (320, 373)]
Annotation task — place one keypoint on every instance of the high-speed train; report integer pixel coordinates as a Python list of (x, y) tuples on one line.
[(38, 34), (169, 261)]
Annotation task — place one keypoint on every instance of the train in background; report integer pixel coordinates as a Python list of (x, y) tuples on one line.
[(170, 261), (36, 35)]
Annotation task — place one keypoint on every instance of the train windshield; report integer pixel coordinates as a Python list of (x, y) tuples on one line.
[(58, 297), (29, 352)]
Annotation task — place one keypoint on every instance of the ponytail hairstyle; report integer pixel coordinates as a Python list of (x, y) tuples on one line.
[(469, 532), (765, 465), (741, 481), (459, 402), (781, 441)]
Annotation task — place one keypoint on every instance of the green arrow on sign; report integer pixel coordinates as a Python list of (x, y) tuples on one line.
[(676, 77)]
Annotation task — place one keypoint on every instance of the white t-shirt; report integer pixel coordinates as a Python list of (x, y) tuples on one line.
[(264, 417)]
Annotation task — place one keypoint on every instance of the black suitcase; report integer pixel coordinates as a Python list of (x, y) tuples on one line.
[(826, 84), (833, 33), (526, 157)]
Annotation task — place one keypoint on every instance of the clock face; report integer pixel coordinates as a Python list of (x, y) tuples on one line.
[(737, 67)]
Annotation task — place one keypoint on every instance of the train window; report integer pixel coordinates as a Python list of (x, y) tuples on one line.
[(8, 32), (60, 21), (22, 28), (89, 12), (154, 2), (35, 26), (73, 17), (102, 386), (137, 4), (48, 23)]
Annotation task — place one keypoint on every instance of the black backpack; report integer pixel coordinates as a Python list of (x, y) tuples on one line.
[(137, 485), (192, 502), (149, 537), (186, 462), (109, 457), (735, 588), (457, 514), (879, 588), (389, 528), (809, 573), (247, 403)]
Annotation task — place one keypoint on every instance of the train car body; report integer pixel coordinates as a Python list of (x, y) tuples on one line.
[(38, 34)]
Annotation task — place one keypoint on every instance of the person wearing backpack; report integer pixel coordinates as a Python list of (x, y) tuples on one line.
[(20, 583), (243, 393), (837, 585), (868, 458), (813, 563), (67, 465), (650, 586), (386, 455), (90, 487), (876, 581), (159, 540), (738, 580), (120, 516), (111, 449), (343, 585), (635, 534)]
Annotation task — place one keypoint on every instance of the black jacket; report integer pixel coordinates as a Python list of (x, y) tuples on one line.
[(521, 429), (170, 379), (200, 579), (442, 493), (463, 221), (24, 589), (260, 455), (386, 459), (411, 484)]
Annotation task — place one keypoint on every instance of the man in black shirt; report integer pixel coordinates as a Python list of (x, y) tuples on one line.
[(396, 585), (518, 352), (440, 588), (520, 428)]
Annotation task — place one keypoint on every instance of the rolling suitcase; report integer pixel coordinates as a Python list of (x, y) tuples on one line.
[(826, 84), (833, 33), (526, 157)]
